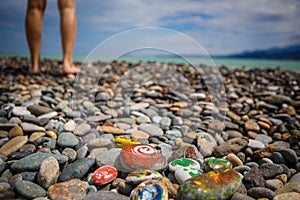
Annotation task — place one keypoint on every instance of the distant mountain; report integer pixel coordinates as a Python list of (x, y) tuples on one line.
[(291, 52)]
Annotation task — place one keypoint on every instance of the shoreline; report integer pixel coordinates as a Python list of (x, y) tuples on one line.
[(52, 126)]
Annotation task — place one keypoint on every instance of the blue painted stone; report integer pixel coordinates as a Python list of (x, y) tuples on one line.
[(150, 189)]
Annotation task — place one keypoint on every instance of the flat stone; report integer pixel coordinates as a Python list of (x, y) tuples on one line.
[(112, 130), (82, 129), (104, 175), (295, 179), (98, 118), (233, 145), (33, 161), (255, 144), (261, 192), (13, 145), (20, 111), (211, 185), (234, 159), (49, 115), (99, 143), (270, 170), (67, 139), (78, 169), (265, 139), (252, 126), (39, 110), (147, 156), (234, 134), (29, 189), (151, 129), (73, 189), (206, 143), (139, 106), (27, 127), (274, 184), (70, 126), (136, 135), (48, 172), (15, 131), (108, 157), (233, 116)]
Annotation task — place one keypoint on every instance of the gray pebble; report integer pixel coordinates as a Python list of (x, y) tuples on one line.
[(151, 129), (29, 189), (270, 170), (67, 139), (261, 192)]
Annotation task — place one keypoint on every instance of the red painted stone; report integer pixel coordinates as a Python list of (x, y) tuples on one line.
[(105, 175), (142, 156)]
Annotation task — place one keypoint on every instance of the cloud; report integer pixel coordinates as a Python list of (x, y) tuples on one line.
[(220, 26)]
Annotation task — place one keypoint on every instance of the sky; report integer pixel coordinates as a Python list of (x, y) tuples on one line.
[(220, 26)]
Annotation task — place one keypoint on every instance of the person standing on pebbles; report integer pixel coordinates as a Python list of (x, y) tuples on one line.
[(34, 22)]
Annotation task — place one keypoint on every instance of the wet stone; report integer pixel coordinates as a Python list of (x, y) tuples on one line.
[(104, 175)]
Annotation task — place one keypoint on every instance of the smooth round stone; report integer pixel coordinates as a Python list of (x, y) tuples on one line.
[(261, 192), (265, 139), (15, 131), (289, 155), (217, 164), (107, 157), (13, 145), (288, 195), (38, 109), (123, 142), (274, 184), (105, 175), (73, 189), (142, 156), (76, 170), (28, 127), (212, 185), (165, 123), (33, 161), (48, 172), (150, 189), (70, 153), (49, 115), (139, 106), (67, 139), (141, 175), (295, 179), (277, 158), (255, 144), (151, 129), (206, 143), (184, 169), (29, 189), (270, 170), (70, 126), (20, 111), (82, 129), (252, 126)]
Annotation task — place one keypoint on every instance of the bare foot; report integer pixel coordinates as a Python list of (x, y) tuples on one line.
[(35, 70), (71, 69)]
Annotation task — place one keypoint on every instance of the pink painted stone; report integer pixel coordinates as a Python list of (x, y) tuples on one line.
[(142, 156), (105, 175)]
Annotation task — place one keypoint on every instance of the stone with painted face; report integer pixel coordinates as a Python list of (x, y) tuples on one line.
[(142, 156), (104, 175), (148, 190), (216, 184), (184, 168), (141, 175)]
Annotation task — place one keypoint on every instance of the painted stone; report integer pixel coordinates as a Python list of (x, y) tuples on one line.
[(142, 156), (216, 184), (217, 164), (184, 169), (141, 175), (190, 152), (104, 175), (122, 142), (148, 190)]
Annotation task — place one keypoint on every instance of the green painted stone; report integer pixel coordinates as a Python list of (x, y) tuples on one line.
[(214, 185), (141, 175), (217, 164)]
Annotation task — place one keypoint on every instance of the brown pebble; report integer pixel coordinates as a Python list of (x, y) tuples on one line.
[(233, 116), (49, 171), (172, 188), (236, 161), (112, 130), (251, 134), (15, 131), (285, 136), (266, 120), (287, 196), (282, 178), (13, 145), (263, 125), (73, 189), (252, 126), (35, 136), (51, 134)]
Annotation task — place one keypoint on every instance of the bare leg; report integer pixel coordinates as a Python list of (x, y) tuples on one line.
[(34, 23), (68, 33)]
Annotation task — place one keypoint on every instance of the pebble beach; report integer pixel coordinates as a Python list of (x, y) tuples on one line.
[(125, 130)]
